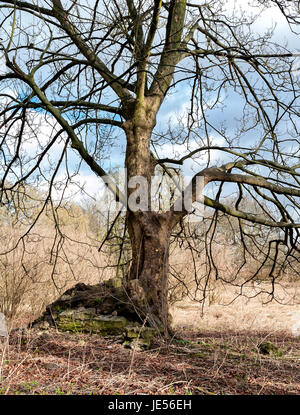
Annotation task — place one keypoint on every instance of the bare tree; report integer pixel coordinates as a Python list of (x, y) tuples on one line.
[(114, 63)]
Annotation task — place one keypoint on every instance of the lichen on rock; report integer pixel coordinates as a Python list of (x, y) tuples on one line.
[(138, 337), (103, 309), (268, 348), (87, 321)]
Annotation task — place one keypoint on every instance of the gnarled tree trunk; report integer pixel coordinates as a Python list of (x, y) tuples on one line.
[(148, 277), (149, 231)]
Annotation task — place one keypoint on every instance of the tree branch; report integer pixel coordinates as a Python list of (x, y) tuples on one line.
[(170, 55), (118, 85), (76, 143)]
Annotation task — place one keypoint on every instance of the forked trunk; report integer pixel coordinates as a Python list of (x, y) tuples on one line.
[(148, 278)]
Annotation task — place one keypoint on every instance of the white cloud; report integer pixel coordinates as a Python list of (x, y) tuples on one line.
[(79, 187), (177, 151), (7, 94), (37, 133)]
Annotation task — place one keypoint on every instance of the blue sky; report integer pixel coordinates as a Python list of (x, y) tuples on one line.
[(175, 105)]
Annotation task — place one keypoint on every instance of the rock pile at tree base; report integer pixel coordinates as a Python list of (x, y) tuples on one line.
[(103, 309)]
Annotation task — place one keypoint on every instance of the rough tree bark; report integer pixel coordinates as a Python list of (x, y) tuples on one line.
[(149, 231), (148, 277)]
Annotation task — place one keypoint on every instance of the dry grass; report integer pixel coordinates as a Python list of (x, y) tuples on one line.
[(199, 363), (213, 354), (42, 266), (244, 314)]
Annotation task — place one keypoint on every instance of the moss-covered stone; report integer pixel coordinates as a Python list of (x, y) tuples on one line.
[(96, 302), (138, 337), (136, 344), (87, 321), (268, 348), (114, 282), (102, 309), (137, 331), (78, 314), (57, 309)]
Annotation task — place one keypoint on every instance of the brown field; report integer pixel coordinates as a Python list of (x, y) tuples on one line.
[(213, 352), (244, 314), (211, 355)]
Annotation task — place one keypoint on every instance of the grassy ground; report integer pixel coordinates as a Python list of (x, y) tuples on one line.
[(197, 363), (217, 354), (250, 313)]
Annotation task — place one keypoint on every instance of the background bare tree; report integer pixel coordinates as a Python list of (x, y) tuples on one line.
[(82, 66)]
